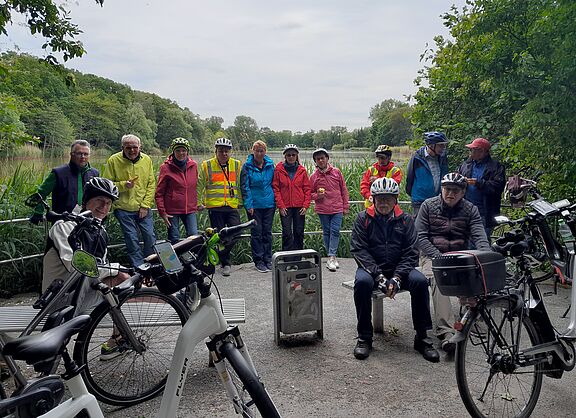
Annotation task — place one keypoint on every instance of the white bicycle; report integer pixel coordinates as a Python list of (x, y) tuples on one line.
[(191, 263)]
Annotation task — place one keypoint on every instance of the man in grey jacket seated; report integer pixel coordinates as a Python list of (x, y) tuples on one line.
[(447, 223)]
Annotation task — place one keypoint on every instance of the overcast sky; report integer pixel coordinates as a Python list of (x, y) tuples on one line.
[(289, 64)]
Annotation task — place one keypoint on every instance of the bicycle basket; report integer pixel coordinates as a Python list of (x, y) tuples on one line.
[(469, 273)]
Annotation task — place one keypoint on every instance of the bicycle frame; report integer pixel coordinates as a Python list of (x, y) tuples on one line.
[(207, 321), (80, 401)]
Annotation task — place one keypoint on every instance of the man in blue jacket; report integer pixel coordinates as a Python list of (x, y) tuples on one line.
[(426, 168), (258, 195)]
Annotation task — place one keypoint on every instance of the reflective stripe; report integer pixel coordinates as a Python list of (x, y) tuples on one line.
[(218, 187), (389, 175)]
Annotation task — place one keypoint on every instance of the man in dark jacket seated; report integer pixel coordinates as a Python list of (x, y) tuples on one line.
[(383, 244)]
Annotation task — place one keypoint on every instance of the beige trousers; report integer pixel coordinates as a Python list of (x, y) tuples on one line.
[(444, 317)]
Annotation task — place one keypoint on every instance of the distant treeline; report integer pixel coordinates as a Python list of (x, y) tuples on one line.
[(53, 106)]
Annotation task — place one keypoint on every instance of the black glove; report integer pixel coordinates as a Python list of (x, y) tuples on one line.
[(37, 218), (389, 286)]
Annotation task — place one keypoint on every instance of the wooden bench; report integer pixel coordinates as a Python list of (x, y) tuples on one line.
[(16, 318)]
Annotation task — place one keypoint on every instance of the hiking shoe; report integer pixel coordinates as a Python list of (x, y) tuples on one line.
[(226, 271), (261, 267), (330, 265), (109, 351), (269, 265), (426, 348), (362, 349)]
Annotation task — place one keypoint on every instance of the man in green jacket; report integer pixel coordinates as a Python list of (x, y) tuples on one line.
[(133, 174)]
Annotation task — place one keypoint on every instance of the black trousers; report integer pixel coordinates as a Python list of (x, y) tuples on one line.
[(292, 230), (220, 218)]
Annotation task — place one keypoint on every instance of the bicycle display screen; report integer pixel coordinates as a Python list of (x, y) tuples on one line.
[(168, 257)]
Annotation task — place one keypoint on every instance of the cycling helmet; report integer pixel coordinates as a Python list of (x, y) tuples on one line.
[(223, 142), (179, 142), (99, 186), (455, 179), (320, 151), (383, 149), (289, 147), (384, 185), (433, 138)]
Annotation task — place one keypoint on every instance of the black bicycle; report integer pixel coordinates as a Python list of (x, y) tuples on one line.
[(505, 340)]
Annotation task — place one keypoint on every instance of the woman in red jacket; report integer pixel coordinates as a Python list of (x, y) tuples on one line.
[(176, 196), (292, 194)]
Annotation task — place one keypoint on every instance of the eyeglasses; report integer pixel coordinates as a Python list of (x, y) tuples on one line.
[(131, 147), (81, 154)]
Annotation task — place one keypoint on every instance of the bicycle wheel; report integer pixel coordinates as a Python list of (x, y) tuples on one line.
[(130, 378), (251, 390), (490, 380)]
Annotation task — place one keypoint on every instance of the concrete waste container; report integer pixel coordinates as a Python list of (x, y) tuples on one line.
[(297, 288)]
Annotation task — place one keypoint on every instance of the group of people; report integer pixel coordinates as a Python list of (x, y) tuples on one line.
[(450, 211)]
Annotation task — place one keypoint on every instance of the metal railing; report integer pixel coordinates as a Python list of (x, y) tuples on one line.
[(112, 246)]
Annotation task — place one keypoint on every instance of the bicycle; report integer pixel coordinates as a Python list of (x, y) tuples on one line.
[(505, 340), (144, 321), (192, 262), (41, 397)]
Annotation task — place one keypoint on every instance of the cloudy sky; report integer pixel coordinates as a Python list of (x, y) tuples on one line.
[(289, 64)]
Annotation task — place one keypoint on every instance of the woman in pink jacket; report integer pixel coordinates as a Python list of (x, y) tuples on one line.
[(176, 196), (330, 197)]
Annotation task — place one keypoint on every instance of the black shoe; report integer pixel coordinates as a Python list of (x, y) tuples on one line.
[(426, 348), (362, 349)]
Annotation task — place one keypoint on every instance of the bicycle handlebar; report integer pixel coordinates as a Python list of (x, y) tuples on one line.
[(229, 231)]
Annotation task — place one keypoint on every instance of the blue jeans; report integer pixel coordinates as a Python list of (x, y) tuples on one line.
[(130, 223), (190, 224), (416, 283), (331, 232), (261, 235)]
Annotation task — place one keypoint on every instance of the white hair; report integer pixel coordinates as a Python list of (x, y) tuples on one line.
[(130, 137)]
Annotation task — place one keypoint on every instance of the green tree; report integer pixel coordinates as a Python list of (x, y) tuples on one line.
[(52, 127), (244, 132), (98, 118), (12, 129), (508, 75), (172, 125), (135, 122), (390, 123), (49, 19)]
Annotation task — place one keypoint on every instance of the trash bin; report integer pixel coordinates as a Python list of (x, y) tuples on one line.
[(297, 288)]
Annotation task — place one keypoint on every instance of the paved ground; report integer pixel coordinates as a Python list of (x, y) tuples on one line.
[(307, 377)]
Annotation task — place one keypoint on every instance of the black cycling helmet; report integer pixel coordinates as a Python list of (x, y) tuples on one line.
[(99, 186), (454, 179), (433, 138)]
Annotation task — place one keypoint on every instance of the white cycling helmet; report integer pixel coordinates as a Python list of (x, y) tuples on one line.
[(289, 147), (454, 179), (223, 142), (384, 185)]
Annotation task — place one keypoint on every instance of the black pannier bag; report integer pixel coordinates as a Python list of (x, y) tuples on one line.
[(469, 272)]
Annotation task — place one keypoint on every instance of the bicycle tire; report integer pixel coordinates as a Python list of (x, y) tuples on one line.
[(504, 394), (251, 390), (156, 320)]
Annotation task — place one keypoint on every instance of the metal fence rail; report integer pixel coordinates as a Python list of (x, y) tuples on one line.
[(112, 246)]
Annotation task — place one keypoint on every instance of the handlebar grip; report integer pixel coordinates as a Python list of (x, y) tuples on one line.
[(52, 216), (232, 230)]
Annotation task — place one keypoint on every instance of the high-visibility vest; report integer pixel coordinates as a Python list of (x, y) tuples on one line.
[(374, 172), (218, 187)]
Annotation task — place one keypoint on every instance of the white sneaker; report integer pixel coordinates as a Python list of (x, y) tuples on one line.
[(330, 265), (336, 263)]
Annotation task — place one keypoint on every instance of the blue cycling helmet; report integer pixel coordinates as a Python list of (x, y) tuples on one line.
[(433, 138)]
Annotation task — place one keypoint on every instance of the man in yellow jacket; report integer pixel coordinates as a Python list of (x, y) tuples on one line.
[(219, 192), (133, 174)]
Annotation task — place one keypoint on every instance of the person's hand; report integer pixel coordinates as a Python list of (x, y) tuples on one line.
[(283, 211), (250, 211), (389, 286), (36, 219), (130, 183), (143, 212), (201, 208), (302, 211), (471, 182), (166, 218), (321, 193)]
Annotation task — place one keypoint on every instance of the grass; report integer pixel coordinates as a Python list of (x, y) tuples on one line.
[(22, 239)]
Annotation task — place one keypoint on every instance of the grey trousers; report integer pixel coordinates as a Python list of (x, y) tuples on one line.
[(444, 317)]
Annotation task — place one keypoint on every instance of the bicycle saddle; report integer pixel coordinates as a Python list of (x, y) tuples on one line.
[(48, 344)]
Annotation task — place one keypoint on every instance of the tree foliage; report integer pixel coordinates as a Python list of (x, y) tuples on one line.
[(508, 75)]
